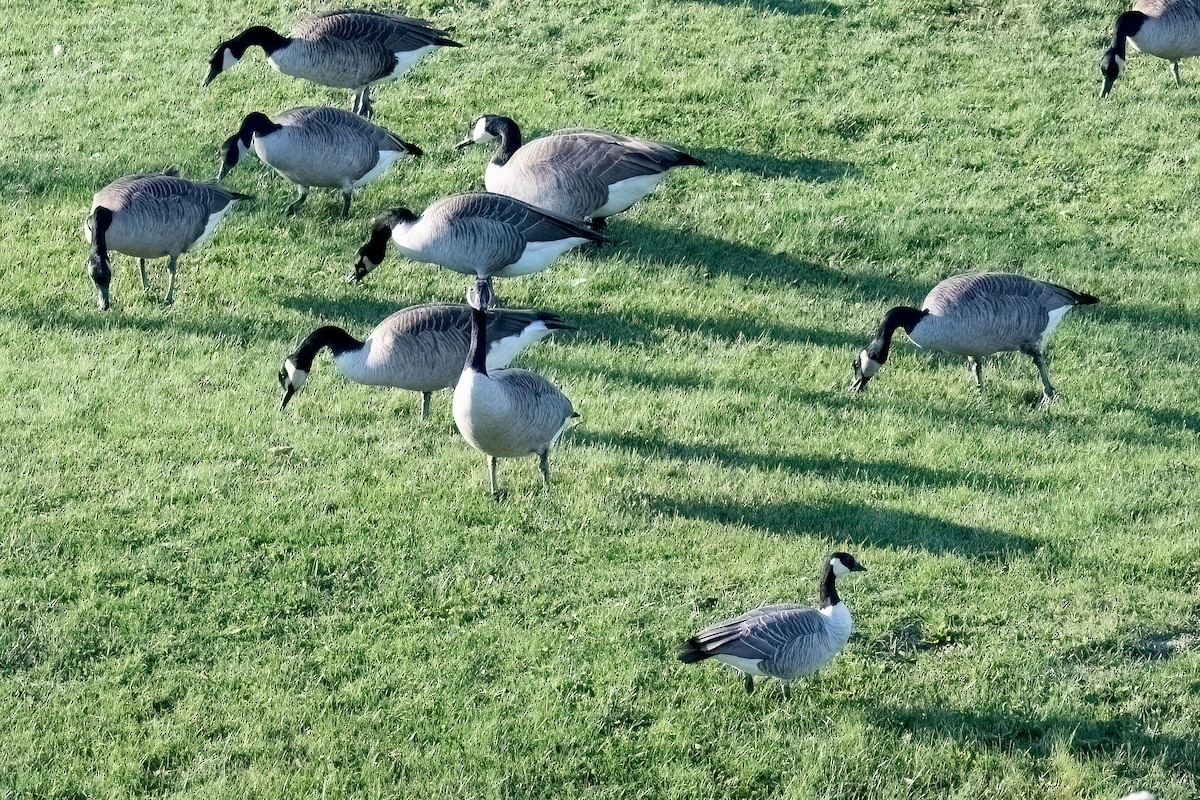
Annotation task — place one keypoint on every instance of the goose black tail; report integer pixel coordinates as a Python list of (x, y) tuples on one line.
[(554, 322), (1082, 299), (691, 652)]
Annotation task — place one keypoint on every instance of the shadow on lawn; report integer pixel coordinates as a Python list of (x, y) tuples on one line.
[(794, 7), (872, 526), (648, 328), (1041, 736), (813, 170), (236, 329)]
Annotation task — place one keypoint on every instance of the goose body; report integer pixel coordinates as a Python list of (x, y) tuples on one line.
[(480, 234), (1169, 29), (346, 49), (977, 315), (152, 216), (783, 641), (421, 349), (580, 174), (507, 413), (324, 147)]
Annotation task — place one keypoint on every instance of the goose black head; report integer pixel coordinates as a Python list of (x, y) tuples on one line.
[(483, 129), (479, 296), (233, 148), (371, 254), (844, 563), (230, 52), (1111, 64), (868, 362), (291, 380)]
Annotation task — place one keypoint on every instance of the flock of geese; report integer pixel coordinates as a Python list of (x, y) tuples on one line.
[(543, 198)]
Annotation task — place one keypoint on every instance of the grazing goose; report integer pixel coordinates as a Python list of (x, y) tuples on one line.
[(507, 413), (324, 147), (345, 49), (152, 216), (784, 641), (1168, 29), (976, 315), (579, 174), (421, 349), (480, 234)]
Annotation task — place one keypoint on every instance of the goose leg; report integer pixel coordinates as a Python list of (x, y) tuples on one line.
[(787, 689), (748, 682), (1039, 361), (544, 466), (142, 267), (171, 268), (364, 103), (299, 201), (1175, 73), (492, 469), (345, 204), (425, 404), (976, 365)]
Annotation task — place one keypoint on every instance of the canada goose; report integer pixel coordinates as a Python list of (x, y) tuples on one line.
[(345, 49), (152, 216), (1168, 29), (421, 349), (507, 413), (324, 147), (480, 234), (784, 641), (579, 174), (976, 315)]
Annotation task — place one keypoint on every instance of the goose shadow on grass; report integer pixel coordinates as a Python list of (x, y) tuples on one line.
[(359, 309), (237, 329), (1039, 735), (812, 170), (649, 328)]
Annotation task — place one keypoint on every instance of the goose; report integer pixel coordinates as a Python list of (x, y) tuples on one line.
[(346, 49), (976, 315), (480, 234), (785, 641), (1168, 29), (152, 216), (507, 413), (421, 348), (324, 147), (581, 174)]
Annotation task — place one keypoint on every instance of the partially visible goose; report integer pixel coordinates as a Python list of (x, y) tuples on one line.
[(507, 413), (480, 234), (152, 216), (346, 49), (324, 147), (976, 315), (1168, 29), (421, 349), (782, 641), (581, 174)]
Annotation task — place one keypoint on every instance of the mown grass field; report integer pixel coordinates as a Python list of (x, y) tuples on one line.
[(184, 613)]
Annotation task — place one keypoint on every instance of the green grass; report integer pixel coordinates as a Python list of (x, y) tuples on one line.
[(185, 613)]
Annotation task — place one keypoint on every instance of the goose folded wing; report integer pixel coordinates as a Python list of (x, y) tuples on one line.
[(761, 633), (532, 223)]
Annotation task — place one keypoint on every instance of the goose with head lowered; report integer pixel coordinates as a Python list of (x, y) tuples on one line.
[(324, 147), (1169, 29), (345, 49), (581, 174), (783, 641), (478, 234), (507, 413), (976, 315), (152, 216), (421, 349)]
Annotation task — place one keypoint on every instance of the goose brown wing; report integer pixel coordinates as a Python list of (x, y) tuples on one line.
[(610, 157), (372, 37), (531, 223), (762, 633)]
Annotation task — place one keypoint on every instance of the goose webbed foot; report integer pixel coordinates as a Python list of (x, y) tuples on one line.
[(299, 201)]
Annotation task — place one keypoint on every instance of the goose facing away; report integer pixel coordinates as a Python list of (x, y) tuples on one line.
[(976, 315), (344, 49), (507, 413), (421, 349), (581, 174), (151, 216), (1169, 29), (783, 641), (324, 147), (480, 234)]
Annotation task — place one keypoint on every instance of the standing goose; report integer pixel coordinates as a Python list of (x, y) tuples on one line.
[(580, 174), (324, 147), (479, 234), (152, 216), (421, 349), (976, 315), (784, 641), (345, 49), (1168, 29), (507, 413)]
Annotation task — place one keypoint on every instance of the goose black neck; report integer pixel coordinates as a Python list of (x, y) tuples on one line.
[(1128, 24), (829, 595), (376, 247), (477, 358), (256, 123), (331, 336), (905, 317), (510, 140), (98, 264), (261, 36)]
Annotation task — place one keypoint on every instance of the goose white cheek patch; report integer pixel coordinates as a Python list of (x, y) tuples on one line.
[(839, 568), (868, 365), (479, 132), (228, 60), (296, 377)]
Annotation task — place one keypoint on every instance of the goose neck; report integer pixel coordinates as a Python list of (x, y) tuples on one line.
[(261, 36), (1128, 24), (336, 339), (509, 135), (905, 317), (477, 357), (829, 595)]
